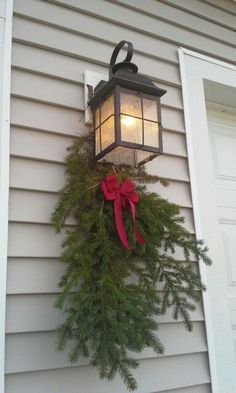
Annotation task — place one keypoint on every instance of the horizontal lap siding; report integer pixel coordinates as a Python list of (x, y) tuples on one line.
[(204, 388), (43, 343), (85, 379), (38, 314), (69, 94), (223, 16), (77, 45), (152, 24), (163, 11), (39, 275), (54, 42), (34, 207), (24, 144)]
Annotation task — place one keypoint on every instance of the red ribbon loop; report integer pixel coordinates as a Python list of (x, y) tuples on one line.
[(123, 196)]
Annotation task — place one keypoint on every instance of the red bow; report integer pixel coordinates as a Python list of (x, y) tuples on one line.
[(123, 196)]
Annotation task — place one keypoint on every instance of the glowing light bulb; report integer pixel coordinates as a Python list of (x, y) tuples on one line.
[(128, 121)]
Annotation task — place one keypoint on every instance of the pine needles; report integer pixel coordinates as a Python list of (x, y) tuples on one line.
[(109, 296)]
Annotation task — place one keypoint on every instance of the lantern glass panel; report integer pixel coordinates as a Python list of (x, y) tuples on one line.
[(107, 108), (142, 156), (133, 157), (107, 133), (130, 104), (151, 134), (120, 155), (131, 129), (97, 141), (150, 109)]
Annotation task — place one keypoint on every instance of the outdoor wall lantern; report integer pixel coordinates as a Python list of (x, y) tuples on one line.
[(127, 114)]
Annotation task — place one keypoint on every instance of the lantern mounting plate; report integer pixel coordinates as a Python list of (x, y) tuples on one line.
[(91, 78)]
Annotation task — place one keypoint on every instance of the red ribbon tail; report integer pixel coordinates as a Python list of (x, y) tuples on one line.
[(138, 235), (137, 232), (120, 223)]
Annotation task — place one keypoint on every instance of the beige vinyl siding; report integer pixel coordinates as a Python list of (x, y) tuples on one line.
[(186, 370), (54, 42), (192, 389), (216, 11)]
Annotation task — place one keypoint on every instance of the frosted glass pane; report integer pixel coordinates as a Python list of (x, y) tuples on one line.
[(124, 155), (107, 133), (144, 156), (130, 104), (97, 141), (107, 108), (97, 117), (131, 129), (150, 109), (151, 134)]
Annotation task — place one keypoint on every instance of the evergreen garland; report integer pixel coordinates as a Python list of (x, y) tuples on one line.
[(109, 295)]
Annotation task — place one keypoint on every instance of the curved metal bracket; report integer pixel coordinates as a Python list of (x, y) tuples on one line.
[(130, 51)]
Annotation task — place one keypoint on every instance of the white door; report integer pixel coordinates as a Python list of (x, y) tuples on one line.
[(222, 129), (211, 146)]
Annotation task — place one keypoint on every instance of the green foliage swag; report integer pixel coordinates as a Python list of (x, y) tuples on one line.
[(112, 297)]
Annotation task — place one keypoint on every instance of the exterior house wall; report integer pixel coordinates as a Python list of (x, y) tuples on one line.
[(54, 42)]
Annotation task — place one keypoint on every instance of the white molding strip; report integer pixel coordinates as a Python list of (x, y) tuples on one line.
[(194, 68), (196, 212), (209, 59), (5, 77)]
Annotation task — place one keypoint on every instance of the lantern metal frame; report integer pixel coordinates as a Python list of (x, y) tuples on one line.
[(124, 77)]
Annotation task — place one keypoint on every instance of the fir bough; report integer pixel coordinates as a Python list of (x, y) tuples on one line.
[(109, 295)]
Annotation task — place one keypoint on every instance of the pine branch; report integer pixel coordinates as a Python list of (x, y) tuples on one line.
[(108, 295)]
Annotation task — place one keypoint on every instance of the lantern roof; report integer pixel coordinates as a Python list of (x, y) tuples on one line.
[(125, 74)]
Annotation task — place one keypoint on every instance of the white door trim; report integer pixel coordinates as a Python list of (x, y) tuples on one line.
[(195, 68), (6, 11)]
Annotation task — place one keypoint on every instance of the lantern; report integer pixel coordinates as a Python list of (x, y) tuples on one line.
[(127, 114)]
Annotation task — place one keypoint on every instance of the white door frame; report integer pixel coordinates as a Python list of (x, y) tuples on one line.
[(195, 68), (6, 11)]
